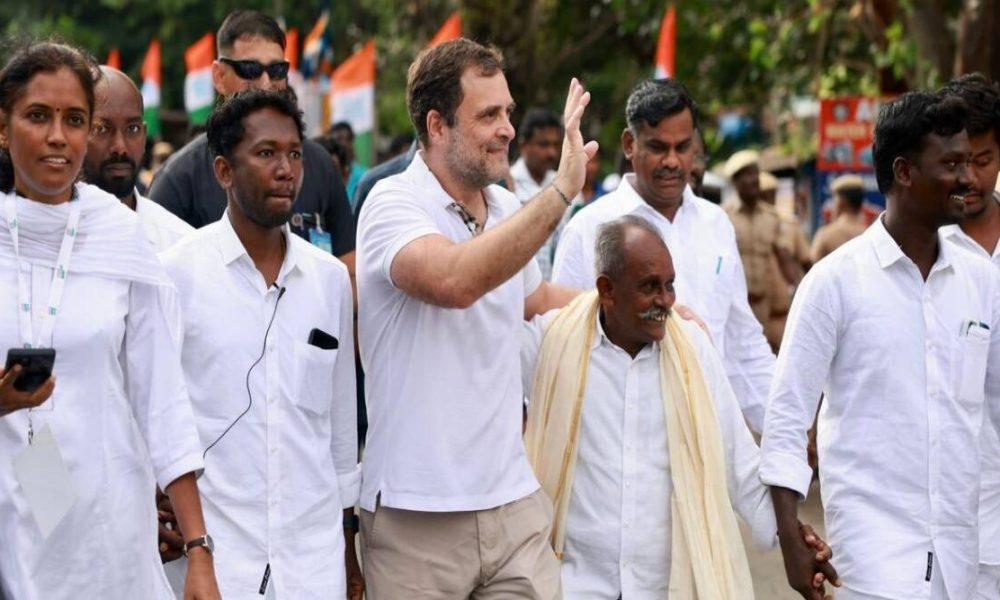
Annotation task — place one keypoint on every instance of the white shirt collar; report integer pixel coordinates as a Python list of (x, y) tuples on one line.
[(888, 252), (601, 337), (232, 248), (519, 172), (630, 200)]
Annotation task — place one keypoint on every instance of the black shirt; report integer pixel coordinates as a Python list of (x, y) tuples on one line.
[(186, 186)]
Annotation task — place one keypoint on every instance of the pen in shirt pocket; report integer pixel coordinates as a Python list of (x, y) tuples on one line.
[(718, 265), (968, 325)]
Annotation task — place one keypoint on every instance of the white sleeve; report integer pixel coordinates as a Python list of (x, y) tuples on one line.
[(749, 360), (532, 275), (344, 410), (574, 262), (750, 498), (807, 351), (389, 220), (155, 382), (531, 342)]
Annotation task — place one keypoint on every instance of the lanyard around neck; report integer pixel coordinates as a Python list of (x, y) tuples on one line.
[(24, 308)]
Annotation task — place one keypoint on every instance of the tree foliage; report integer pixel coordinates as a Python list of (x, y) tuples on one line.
[(755, 56)]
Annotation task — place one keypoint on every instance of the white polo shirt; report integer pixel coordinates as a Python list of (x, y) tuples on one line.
[(443, 385)]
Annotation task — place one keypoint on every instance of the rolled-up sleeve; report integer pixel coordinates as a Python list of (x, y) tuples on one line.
[(802, 369), (155, 381), (344, 412)]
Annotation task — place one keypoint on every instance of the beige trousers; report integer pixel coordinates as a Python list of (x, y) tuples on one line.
[(493, 554)]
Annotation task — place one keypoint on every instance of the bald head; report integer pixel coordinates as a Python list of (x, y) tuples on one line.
[(118, 139), (115, 84)]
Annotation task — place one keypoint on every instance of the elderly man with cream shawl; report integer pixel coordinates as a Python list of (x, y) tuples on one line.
[(634, 433)]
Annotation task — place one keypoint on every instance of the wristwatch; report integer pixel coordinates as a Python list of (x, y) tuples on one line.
[(204, 541)]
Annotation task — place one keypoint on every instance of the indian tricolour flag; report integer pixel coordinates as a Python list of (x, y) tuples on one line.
[(199, 94), (352, 98), (666, 45), (150, 74)]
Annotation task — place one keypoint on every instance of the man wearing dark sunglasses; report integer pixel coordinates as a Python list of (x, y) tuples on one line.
[(251, 51)]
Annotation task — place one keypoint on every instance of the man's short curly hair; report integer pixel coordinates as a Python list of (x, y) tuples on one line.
[(225, 126)]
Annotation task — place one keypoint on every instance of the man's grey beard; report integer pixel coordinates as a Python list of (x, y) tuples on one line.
[(473, 173)]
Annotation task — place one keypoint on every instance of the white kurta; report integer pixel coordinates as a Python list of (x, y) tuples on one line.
[(118, 375), (618, 525), (277, 483)]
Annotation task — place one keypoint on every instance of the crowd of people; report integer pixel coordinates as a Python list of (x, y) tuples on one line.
[(562, 387)]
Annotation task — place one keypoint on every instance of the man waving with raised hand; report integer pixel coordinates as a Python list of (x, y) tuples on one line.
[(451, 508)]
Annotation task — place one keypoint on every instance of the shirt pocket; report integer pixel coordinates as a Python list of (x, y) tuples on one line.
[(973, 354), (313, 378)]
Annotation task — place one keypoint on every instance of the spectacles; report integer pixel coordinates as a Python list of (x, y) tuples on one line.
[(253, 69)]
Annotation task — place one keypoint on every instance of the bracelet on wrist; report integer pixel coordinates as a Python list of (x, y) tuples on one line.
[(564, 197)]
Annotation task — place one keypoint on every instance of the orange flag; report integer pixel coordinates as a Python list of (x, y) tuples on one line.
[(292, 48), (666, 46), (114, 59), (451, 30)]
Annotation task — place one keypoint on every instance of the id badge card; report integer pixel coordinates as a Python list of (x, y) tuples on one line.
[(44, 479), (322, 240)]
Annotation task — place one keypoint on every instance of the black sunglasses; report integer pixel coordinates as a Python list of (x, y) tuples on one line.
[(253, 69)]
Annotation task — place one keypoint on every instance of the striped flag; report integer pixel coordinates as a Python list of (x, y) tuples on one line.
[(666, 45), (451, 30), (199, 94), (114, 59), (150, 74), (317, 47), (352, 98)]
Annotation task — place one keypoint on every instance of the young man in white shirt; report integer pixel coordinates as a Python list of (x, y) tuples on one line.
[(660, 143), (898, 330), (645, 507), (267, 350), (451, 508), (114, 155), (979, 233)]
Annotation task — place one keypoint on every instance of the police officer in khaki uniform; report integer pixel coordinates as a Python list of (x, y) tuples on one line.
[(793, 238), (758, 234), (848, 219)]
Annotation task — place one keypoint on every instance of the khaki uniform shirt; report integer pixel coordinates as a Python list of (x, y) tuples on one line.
[(793, 238), (841, 230), (758, 231)]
